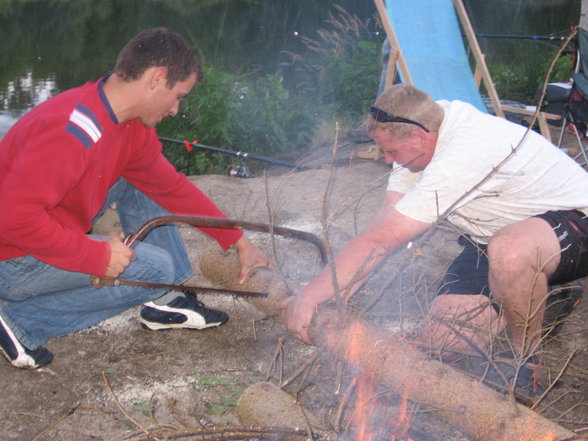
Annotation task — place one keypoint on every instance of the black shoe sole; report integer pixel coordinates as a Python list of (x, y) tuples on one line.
[(169, 326), (559, 306)]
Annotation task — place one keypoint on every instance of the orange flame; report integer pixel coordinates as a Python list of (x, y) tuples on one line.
[(398, 424), (365, 389)]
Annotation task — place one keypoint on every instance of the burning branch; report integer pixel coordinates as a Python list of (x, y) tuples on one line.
[(457, 399)]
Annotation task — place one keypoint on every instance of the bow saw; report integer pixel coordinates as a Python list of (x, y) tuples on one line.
[(206, 222)]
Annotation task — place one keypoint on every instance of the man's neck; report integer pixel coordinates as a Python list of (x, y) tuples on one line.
[(122, 97)]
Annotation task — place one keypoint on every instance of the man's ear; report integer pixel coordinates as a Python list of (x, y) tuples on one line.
[(428, 139), (158, 76)]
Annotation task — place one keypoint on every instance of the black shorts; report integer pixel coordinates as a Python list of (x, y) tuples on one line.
[(571, 229), (468, 274)]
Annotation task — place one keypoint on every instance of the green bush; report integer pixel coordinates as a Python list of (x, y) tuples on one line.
[(349, 81), (519, 81), (257, 116)]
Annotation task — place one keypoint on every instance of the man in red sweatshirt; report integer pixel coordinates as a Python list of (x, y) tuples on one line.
[(65, 161)]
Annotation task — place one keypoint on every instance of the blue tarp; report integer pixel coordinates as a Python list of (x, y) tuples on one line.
[(429, 35)]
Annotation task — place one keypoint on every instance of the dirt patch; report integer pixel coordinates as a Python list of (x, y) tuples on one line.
[(117, 379)]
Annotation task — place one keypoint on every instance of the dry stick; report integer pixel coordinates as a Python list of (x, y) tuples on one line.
[(271, 222), (317, 353), (324, 223), (449, 209), (468, 315), (392, 276), (554, 382), (560, 398), (398, 364), (55, 423), (306, 422), (343, 404), (303, 381), (304, 377), (345, 204), (486, 354), (270, 215), (173, 408), (359, 273), (226, 433), (570, 409), (278, 353), (338, 378), (152, 413), (518, 146), (530, 314), (496, 168), (374, 298), (130, 418), (581, 429), (399, 269), (355, 212), (280, 378)]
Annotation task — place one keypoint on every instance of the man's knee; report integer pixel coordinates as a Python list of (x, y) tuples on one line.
[(504, 253), (524, 245)]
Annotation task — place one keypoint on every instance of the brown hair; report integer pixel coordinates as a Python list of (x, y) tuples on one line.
[(407, 102), (154, 48)]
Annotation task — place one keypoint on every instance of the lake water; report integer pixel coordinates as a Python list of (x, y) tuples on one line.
[(51, 45)]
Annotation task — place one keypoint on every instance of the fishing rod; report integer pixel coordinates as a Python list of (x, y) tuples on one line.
[(240, 154), (524, 37)]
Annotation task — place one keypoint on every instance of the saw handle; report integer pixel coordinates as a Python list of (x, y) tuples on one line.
[(97, 282)]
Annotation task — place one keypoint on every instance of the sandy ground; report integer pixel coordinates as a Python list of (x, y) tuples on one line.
[(117, 379)]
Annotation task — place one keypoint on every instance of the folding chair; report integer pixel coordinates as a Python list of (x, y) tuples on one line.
[(576, 108)]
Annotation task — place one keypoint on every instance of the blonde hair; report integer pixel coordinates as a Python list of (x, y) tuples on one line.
[(407, 102)]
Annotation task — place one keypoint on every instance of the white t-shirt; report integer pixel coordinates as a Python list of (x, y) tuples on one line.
[(473, 145)]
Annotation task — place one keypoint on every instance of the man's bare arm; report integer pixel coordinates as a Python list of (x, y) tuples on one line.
[(388, 231)]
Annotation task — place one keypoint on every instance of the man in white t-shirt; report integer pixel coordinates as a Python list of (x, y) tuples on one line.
[(519, 201)]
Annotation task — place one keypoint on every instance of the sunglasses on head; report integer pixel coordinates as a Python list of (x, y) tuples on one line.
[(384, 117)]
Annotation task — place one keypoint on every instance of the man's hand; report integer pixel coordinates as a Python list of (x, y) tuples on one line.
[(121, 256), (298, 315), (249, 258)]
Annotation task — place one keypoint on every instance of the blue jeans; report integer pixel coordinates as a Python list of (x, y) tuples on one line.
[(39, 301)]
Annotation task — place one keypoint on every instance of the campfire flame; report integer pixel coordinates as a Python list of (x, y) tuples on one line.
[(399, 422), (365, 390)]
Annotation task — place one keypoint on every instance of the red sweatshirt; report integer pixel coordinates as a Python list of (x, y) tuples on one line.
[(57, 164)]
